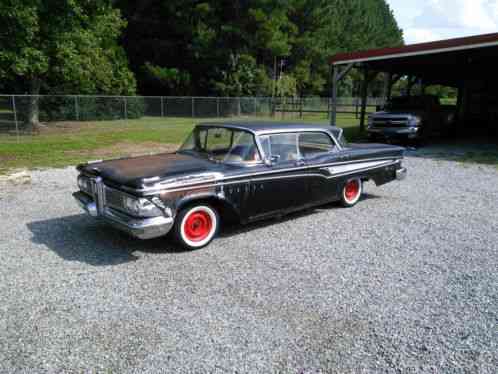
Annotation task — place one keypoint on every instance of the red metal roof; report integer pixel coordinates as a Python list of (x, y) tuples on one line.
[(417, 49)]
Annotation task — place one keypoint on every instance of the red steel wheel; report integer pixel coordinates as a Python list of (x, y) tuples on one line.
[(351, 192), (196, 226)]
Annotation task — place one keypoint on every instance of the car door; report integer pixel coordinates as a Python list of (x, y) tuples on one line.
[(282, 186), (319, 151)]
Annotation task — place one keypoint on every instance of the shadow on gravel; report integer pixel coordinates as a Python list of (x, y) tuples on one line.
[(80, 238)]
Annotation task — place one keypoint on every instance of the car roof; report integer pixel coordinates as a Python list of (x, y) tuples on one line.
[(262, 127)]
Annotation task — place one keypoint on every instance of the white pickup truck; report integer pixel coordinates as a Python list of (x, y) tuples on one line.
[(412, 118)]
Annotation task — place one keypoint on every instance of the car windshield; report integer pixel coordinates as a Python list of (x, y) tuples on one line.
[(222, 144)]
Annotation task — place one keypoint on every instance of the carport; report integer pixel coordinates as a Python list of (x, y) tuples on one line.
[(468, 64)]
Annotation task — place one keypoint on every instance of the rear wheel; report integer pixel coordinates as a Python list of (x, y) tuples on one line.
[(196, 226), (351, 192)]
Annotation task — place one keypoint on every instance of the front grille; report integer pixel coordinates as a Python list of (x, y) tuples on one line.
[(390, 122), (113, 198)]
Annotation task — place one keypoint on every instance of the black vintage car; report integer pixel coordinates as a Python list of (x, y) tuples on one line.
[(233, 171)]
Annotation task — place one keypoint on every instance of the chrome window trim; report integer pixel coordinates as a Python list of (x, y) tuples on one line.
[(237, 163)]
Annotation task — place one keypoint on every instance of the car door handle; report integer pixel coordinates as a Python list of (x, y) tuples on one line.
[(300, 162)]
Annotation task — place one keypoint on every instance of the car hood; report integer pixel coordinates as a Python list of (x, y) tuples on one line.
[(131, 172)]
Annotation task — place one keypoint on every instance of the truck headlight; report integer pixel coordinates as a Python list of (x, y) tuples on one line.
[(140, 207), (414, 121), (84, 184)]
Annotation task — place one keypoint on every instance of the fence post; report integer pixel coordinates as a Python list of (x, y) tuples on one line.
[(217, 107), (162, 106), (15, 117), (125, 108), (255, 107), (238, 107), (193, 107), (76, 108)]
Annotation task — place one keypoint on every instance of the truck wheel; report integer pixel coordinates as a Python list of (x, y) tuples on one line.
[(351, 192), (196, 226)]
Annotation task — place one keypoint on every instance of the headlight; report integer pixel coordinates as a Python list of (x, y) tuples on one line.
[(140, 207), (84, 184), (414, 121)]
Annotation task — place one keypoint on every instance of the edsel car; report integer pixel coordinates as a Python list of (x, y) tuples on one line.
[(232, 172)]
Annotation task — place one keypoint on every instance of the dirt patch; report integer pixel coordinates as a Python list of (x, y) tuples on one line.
[(64, 127), (125, 149)]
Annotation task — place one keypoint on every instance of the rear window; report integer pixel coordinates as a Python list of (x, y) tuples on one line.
[(314, 144)]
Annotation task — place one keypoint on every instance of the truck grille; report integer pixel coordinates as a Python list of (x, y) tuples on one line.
[(390, 122)]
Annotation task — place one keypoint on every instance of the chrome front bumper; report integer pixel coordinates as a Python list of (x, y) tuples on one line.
[(401, 174), (398, 132), (142, 228)]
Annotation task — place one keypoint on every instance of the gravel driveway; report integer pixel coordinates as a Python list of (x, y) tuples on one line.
[(407, 281)]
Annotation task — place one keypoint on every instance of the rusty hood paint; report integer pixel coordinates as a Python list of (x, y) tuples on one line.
[(131, 171)]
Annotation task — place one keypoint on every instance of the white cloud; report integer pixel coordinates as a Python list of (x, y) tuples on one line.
[(416, 35), (441, 19)]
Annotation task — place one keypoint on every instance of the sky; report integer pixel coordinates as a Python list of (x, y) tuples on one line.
[(428, 20)]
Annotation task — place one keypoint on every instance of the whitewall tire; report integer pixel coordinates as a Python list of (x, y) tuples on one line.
[(196, 226), (351, 192)]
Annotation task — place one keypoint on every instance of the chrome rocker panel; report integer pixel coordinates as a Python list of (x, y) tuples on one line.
[(142, 228)]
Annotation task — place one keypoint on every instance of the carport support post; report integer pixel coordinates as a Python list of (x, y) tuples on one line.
[(387, 86), (364, 93), (337, 76), (335, 82)]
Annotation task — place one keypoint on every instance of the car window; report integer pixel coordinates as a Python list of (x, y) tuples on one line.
[(218, 138), (222, 145), (314, 143), (284, 146)]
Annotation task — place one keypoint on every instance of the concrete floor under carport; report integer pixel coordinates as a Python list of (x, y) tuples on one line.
[(468, 64), (480, 150)]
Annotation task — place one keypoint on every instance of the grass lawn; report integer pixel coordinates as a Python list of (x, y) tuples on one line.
[(68, 143)]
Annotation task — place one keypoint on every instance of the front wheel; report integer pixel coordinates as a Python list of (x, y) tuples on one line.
[(196, 226), (351, 192)]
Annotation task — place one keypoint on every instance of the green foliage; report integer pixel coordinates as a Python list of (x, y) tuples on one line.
[(171, 79), (232, 47), (64, 46), (185, 47), (286, 86), (242, 77), (83, 108)]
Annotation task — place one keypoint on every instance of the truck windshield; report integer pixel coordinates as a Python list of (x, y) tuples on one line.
[(407, 102), (222, 144)]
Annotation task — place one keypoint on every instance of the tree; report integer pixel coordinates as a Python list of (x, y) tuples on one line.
[(63, 47)]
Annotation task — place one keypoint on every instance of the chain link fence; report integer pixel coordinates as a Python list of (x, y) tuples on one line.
[(17, 110)]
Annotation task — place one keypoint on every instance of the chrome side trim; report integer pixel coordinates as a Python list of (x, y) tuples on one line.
[(248, 176), (290, 176)]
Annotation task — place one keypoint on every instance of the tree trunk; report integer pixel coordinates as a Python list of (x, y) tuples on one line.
[(33, 109)]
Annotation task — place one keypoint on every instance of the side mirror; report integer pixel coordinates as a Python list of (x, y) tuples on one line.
[(272, 160)]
